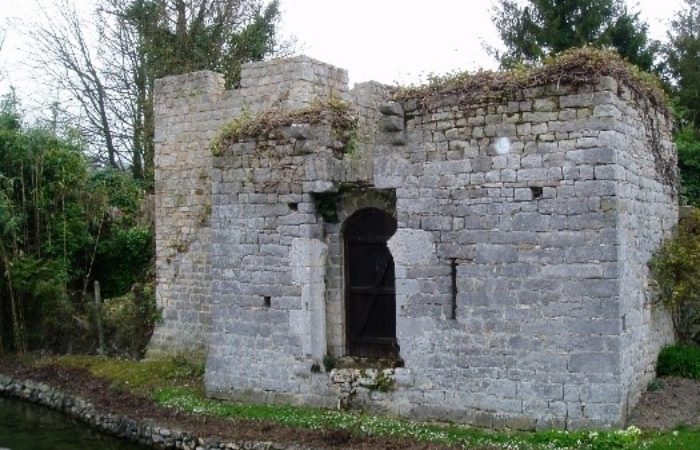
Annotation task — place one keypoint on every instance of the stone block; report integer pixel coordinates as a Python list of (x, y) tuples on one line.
[(533, 174), (594, 362), (436, 223), (521, 423), (495, 254), (392, 109), (597, 188), (606, 111), (392, 123), (523, 194), (592, 155), (412, 247)]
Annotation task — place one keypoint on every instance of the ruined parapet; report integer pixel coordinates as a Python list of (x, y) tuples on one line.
[(190, 111)]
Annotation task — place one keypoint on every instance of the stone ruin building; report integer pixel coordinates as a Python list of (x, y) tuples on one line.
[(479, 258)]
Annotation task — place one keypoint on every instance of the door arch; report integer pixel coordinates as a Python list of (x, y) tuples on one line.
[(370, 287)]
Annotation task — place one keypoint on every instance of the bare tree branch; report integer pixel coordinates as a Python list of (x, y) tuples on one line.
[(75, 65), (110, 79)]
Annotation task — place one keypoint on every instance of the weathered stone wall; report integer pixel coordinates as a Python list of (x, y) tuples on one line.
[(268, 306), (545, 204), (536, 200), (183, 115), (647, 210), (190, 111)]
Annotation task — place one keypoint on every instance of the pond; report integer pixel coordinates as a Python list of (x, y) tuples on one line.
[(25, 426)]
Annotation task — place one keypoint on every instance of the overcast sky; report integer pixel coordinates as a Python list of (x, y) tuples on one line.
[(383, 40), (403, 40)]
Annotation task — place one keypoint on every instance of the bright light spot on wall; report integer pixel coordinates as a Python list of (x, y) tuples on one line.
[(502, 146)]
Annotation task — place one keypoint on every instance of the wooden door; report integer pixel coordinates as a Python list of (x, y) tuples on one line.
[(370, 285)]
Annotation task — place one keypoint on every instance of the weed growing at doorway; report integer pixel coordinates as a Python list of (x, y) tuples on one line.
[(329, 362)]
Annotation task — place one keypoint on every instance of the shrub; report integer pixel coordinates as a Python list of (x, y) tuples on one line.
[(679, 360), (676, 269), (129, 321), (64, 225), (329, 362), (123, 257), (687, 140)]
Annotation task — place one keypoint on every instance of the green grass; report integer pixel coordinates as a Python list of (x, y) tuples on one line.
[(144, 377), (176, 383), (680, 439), (680, 361), (372, 425), (319, 419)]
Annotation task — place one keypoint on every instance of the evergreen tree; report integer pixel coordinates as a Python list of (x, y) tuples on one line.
[(168, 37), (682, 52), (682, 60), (545, 27)]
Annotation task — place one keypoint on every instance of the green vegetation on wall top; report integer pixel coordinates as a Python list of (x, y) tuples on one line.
[(575, 66), (333, 111)]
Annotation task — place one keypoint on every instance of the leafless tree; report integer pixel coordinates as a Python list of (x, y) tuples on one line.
[(111, 77), (74, 62), (2, 41)]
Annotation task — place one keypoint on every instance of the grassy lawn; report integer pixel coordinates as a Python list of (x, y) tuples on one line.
[(177, 383), (682, 438)]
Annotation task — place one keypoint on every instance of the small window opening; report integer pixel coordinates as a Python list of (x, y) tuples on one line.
[(453, 303), (537, 191), (267, 301), (293, 206)]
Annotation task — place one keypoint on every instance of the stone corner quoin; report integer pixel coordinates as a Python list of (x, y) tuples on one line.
[(518, 266)]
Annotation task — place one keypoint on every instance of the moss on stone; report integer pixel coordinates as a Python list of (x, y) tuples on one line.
[(326, 204), (140, 377), (333, 111)]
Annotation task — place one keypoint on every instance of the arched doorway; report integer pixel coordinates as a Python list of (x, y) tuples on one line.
[(370, 288)]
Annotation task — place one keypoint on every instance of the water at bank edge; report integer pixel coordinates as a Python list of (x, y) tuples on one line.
[(25, 426)]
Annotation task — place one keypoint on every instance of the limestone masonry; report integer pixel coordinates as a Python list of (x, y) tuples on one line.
[(481, 259)]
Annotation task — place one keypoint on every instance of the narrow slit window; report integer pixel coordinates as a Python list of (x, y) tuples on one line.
[(453, 299), (267, 301)]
